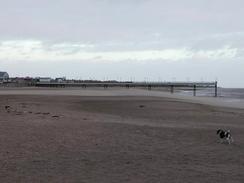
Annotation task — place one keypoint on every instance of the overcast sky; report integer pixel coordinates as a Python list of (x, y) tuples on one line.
[(152, 40)]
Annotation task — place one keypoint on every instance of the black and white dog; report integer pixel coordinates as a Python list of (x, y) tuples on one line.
[(225, 135)]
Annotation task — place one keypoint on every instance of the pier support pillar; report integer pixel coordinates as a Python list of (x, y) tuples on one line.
[(172, 89), (194, 90), (83, 86), (216, 89)]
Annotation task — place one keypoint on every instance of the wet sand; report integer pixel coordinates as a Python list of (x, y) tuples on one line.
[(116, 136)]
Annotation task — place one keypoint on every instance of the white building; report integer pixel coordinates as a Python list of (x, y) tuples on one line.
[(45, 79), (4, 76)]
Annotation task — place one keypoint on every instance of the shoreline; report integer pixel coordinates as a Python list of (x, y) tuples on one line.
[(117, 92)]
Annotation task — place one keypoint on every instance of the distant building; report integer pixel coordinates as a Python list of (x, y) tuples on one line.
[(4, 76), (22, 81), (60, 80), (44, 80)]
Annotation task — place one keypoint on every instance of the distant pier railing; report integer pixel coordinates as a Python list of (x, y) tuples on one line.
[(171, 85)]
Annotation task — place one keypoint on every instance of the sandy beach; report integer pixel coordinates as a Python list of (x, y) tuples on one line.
[(118, 135)]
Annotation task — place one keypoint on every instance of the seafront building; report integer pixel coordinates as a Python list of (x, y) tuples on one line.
[(3, 77)]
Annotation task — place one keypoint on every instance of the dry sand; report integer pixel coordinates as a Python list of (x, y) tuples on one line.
[(105, 136)]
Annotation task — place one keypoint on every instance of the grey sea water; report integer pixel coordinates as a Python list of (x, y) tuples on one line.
[(228, 93)]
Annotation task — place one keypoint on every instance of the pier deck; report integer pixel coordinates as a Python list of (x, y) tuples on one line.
[(172, 85)]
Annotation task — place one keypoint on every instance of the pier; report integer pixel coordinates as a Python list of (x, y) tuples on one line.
[(149, 85)]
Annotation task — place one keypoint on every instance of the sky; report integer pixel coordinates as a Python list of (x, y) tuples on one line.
[(136, 40)]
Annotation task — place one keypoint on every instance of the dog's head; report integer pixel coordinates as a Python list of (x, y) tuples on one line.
[(219, 131)]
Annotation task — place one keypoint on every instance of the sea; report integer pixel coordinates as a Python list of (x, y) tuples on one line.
[(226, 93)]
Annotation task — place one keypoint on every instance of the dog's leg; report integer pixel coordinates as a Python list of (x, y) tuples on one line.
[(232, 140)]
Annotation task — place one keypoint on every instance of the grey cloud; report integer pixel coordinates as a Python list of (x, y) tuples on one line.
[(117, 20)]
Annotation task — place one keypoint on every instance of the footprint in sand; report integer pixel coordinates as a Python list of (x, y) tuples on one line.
[(46, 113), (55, 116)]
